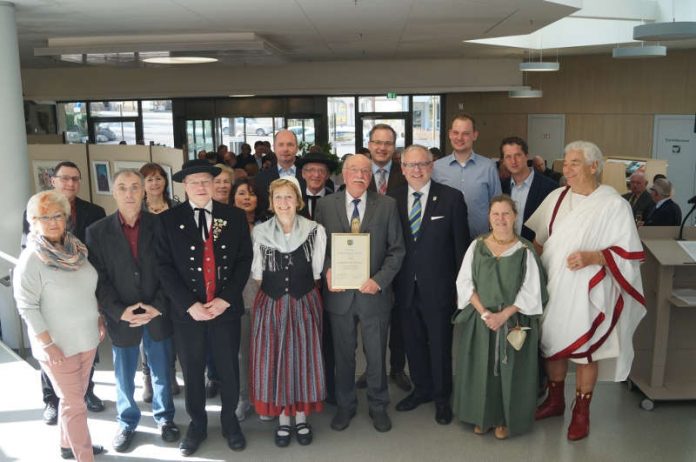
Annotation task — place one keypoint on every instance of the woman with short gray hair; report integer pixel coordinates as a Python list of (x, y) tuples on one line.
[(54, 287)]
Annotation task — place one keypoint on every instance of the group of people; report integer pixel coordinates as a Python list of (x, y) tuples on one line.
[(249, 289)]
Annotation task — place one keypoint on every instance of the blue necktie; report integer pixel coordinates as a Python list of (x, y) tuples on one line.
[(355, 218), (414, 218)]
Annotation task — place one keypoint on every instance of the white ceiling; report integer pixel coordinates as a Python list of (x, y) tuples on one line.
[(309, 30)]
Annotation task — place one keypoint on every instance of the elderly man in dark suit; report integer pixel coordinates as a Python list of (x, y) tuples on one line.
[(205, 257), (66, 180), (387, 177), (122, 250), (639, 197), (315, 168), (436, 232), (526, 187), (371, 304), (666, 211)]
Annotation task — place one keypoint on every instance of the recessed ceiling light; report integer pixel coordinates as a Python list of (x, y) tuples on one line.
[(540, 66), (242, 96), (179, 60), (525, 93), (651, 51)]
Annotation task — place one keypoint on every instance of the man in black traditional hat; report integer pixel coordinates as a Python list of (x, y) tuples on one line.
[(205, 258), (316, 168)]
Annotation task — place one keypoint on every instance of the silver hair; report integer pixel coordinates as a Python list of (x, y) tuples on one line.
[(43, 200), (415, 147), (662, 187), (129, 171), (590, 152)]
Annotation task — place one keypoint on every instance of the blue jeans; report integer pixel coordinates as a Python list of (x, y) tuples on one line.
[(125, 364)]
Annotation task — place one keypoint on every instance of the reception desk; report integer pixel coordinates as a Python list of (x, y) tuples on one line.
[(664, 367)]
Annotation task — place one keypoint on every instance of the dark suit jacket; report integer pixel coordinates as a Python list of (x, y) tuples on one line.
[(435, 258), (381, 221), (643, 205), (123, 281), (396, 179), (87, 213), (305, 211), (540, 188), (668, 214), (180, 254)]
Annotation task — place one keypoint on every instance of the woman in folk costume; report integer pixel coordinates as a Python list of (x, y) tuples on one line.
[(287, 373), (592, 254), (501, 289)]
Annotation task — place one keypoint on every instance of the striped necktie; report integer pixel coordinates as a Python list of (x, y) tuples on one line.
[(355, 218), (382, 181), (414, 218)]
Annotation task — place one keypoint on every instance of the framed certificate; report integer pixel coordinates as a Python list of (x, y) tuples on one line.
[(350, 260)]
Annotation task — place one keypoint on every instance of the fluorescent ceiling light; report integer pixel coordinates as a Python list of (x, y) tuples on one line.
[(525, 93), (242, 96), (179, 60), (540, 66), (652, 51), (659, 31)]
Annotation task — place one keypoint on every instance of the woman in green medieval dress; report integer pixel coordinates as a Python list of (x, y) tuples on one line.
[(501, 290)]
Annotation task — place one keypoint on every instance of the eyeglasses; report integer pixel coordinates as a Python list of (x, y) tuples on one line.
[(414, 165), (314, 171), (66, 178), (196, 184), (386, 144), (355, 171), (47, 219)]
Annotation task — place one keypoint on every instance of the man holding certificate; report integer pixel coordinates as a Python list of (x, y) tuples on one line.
[(364, 253)]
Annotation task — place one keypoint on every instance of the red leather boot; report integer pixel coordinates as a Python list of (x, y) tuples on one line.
[(554, 404), (580, 424)]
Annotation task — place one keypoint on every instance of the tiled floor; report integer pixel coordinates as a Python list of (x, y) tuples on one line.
[(621, 431)]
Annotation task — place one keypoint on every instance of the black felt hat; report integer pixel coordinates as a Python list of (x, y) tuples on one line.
[(317, 158), (195, 166)]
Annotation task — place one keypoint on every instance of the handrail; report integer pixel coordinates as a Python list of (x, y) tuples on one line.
[(7, 281), (9, 258)]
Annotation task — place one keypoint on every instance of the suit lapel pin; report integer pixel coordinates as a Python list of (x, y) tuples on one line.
[(181, 226), (434, 198)]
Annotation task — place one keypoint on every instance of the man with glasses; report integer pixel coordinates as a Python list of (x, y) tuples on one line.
[(66, 180), (386, 177), (474, 175), (204, 253), (358, 210), (436, 233)]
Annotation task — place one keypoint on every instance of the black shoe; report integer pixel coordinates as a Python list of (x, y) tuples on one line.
[(191, 441), (303, 433), (66, 453), (411, 402), (147, 388), (381, 421), (123, 440), (282, 440), (236, 441), (401, 380), (170, 432), (362, 381), (211, 389), (443, 414), (342, 419), (94, 404), (50, 413)]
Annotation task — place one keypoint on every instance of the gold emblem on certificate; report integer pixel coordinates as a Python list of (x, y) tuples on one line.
[(350, 260)]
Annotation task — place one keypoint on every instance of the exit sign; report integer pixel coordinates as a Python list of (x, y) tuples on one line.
[(391, 95)]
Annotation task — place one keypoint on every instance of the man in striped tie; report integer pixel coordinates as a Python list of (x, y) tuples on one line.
[(434, 222)]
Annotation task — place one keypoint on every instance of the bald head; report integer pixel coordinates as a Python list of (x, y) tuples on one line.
[(539, 164)]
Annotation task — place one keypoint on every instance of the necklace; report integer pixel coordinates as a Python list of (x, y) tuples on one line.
[(503, 242)]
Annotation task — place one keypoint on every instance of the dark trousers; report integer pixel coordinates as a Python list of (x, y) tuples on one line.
[(191, 340), (49, 394), (397, 353), (374, 328), (429, 348), (328, 355)]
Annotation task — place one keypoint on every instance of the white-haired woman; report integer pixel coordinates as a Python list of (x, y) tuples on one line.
[(592, 254), (54, 288)]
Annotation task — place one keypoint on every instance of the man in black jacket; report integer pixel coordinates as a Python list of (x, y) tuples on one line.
[(436, 232), (204, 253), (66, 180), (122, 250), (666, 211)]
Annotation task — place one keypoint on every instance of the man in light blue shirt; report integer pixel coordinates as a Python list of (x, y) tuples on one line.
[(474, 175)]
